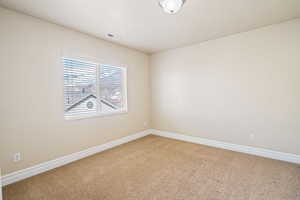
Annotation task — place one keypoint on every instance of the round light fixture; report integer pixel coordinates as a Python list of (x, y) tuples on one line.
[(171, 6)]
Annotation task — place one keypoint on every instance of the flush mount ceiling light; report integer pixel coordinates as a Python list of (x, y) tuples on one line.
[(171, 6)]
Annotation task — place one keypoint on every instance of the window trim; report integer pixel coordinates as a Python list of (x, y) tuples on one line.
[(124, 110)]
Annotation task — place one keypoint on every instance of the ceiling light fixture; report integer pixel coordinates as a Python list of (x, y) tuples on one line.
[(171, 6)]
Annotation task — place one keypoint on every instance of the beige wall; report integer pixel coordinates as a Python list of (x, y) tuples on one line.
[(31, 86), (229, 88)]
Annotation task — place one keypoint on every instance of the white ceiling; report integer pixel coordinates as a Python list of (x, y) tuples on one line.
[(141, 24)]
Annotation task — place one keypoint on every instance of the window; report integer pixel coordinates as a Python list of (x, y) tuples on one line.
[(92, 89)]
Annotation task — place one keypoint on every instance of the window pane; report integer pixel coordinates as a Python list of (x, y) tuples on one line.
[(80, 96), (111, 88)]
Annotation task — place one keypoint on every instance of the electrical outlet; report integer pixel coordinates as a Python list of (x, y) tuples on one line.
[(252, 136), (17, 157), (145, 124)]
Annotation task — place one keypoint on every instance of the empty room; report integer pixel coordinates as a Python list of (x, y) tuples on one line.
[(150, 100)]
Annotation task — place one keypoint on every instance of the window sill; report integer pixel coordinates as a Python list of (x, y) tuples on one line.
[(119, 112)]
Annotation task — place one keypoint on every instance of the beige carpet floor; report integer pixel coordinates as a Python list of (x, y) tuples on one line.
[(156, 168)]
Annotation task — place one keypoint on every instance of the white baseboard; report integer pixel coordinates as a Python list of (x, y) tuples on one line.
[(46, 166), (43, 167), (288, 157)]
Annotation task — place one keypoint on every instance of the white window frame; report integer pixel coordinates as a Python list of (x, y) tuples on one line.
[(101, 114)]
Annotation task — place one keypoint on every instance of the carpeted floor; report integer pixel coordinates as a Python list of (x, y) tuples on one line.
[(156, 168)]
